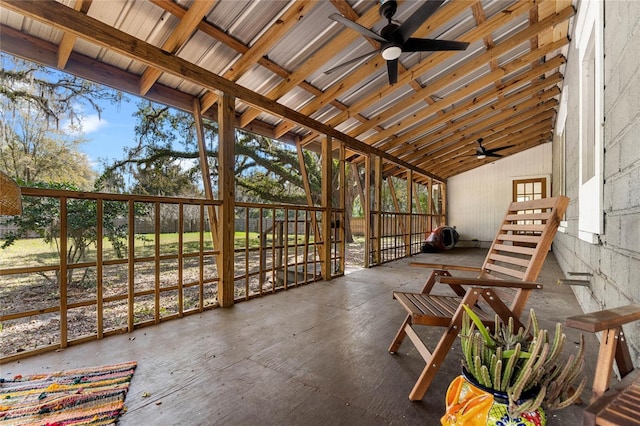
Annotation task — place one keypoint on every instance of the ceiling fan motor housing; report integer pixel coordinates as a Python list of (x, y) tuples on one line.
[(393, 47), (388, 8)]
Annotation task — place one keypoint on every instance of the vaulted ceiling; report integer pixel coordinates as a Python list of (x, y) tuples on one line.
[(272, 55)]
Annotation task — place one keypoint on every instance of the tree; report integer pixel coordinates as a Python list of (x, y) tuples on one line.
[(41, 215), (266, 170), (40, 114), (166, 143)]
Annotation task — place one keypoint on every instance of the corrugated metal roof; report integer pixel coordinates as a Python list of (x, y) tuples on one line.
[(443, 88)]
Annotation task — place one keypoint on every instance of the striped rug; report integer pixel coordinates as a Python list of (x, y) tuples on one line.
[(73, 397)]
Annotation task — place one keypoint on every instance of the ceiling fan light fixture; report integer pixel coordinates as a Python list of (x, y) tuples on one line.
[(392, 52), (481, 156)]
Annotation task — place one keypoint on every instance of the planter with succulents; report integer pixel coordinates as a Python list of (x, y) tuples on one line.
[(511, 378)]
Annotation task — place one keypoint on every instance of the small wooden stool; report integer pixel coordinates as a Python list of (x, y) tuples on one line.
[(621, 405)]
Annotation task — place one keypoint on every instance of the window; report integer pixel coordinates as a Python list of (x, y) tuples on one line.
[(529, 189), (526, 190), (589, 44)]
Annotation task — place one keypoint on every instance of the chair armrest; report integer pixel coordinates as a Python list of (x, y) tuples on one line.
[(605, 319), (446, 267), (486, 282)]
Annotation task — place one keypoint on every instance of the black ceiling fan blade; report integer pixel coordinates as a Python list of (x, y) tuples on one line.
[(500, 148), (350, 61), (427, 45), (392, 70), (357, 27), (408, 27), (491, 154)]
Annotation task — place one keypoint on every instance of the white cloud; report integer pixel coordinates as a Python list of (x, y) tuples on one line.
[(88, 124), (92, 123)]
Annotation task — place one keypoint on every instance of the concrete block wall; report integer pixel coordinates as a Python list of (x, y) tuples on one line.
[(615, 260)]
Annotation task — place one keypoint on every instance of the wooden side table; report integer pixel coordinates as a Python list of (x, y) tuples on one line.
[(620, 406)]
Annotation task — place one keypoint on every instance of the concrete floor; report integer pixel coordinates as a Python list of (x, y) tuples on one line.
[(315, 355)]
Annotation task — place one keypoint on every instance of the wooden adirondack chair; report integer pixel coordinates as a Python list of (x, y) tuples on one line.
[(503, 285)]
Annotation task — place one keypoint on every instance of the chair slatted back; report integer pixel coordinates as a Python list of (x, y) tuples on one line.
[(524, 238)]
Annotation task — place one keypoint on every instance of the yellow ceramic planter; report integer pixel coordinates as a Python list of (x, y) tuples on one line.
[(468, 405)]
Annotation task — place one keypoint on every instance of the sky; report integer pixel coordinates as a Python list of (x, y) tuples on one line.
[(108, 135)]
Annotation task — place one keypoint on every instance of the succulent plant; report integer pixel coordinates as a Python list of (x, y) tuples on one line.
[(526, 361)]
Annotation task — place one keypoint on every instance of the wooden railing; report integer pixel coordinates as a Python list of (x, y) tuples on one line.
[(401, 235), (280, 246), (52, 299)]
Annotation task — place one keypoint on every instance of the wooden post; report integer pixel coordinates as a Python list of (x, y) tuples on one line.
[(416, 197), (132, 265), (226, 192), (445, 213), (409, 234), (366, 205), (180, 260), (156, 246), (377, 250), (326, 207), (341, 204), (99, 267), (430, 203), (307, 190), (396, 205), (64, 274), (206, 174)]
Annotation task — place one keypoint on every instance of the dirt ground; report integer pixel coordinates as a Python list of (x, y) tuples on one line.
[(43, 329)]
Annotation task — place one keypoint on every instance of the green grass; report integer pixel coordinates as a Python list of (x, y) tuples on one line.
[(34, 251)]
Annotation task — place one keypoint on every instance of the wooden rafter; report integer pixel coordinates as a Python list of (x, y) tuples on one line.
[(270, 37), (311, 64), (176, 39), (68, 40)]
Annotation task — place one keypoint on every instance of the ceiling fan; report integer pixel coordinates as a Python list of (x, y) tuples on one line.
[(482, 152), (396, 39)]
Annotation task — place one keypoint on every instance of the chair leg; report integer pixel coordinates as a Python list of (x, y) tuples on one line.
[(400, 335), (606, 355), (433, 364)]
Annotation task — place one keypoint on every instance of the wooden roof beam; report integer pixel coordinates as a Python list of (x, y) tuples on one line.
[(430, 62), (68, 40), (493, 136), (480, 17), (489, 100), (177, 39), (471, 89), (353, 78), (209, 98), (477, 100)]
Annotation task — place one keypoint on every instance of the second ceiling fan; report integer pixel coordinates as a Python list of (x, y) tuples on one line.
[(482, 152), (396, 39)]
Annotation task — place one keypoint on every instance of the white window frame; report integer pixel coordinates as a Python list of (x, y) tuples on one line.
[(560, 138), (590, 195)]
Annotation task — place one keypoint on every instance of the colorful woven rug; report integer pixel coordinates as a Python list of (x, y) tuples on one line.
[(73, 397)]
